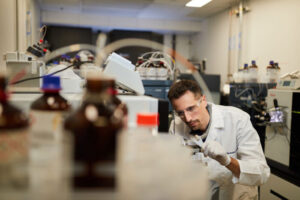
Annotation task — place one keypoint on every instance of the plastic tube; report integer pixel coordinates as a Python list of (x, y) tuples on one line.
[(102, 53)]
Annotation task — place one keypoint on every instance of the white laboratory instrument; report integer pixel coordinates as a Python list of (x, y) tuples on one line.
[(123, 72), (281, 144), (22, 66), (290, 81), (135, 104)]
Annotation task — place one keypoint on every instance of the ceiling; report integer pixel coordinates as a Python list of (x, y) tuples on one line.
[(150, 9)]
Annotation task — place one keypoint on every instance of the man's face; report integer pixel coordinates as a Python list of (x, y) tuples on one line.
[(192, 110)]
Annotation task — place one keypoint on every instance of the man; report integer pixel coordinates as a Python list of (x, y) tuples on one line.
[(231, 148)]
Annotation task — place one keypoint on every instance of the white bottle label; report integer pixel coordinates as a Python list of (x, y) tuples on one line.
[(47, 125), (13, 146)]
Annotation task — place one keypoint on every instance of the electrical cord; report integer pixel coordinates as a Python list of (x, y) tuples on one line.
[(280, 132), (242, 92), (273, 136), (285, 126), (38, 77), (43, 30)]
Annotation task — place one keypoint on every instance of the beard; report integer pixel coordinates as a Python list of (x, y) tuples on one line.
[(194, 125)]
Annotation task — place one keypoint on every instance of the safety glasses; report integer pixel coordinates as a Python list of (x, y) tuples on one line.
[(191, 110)]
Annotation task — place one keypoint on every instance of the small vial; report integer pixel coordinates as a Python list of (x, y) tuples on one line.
[(148, 122)]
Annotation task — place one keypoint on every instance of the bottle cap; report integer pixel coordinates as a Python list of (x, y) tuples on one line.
[(245, 66), (253, 62), (149, 119), (3, 93), (64, 56), (51, 83), (271, 62)]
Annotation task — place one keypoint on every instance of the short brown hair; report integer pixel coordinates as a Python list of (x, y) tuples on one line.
[(181, 87)]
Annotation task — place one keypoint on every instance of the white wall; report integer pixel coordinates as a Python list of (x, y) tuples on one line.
[(271, 30), (13, 23), (273, 33), (32, 23), (212, 44), (182, 47), (28, 23), (8, 28), (183, 44)]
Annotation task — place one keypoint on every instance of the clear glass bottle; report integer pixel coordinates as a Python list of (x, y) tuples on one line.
[(94, 126), (151, 71), (276, 65), (272, 72), (253, 72), (245, 74), (14, 129), (140, 68), (50, 148), (148, 122), (49, 110)]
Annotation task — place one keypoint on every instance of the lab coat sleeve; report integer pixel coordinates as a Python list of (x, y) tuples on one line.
[(172, 127), (253, 166), (177, 127)]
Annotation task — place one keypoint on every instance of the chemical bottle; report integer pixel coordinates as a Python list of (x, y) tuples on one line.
[(245, 73), (148, 122), (139, 62), (94, 126), (272, 72), (151, 71), (271, 65), (253, 72), (144, 170), (118, 103), (14, 129), (162, 71), (238, 77), (50, 148), (141, 68), (49, 110), (65, 59)]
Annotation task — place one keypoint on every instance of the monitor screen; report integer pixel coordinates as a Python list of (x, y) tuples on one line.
[(286, 83), (276, 116)]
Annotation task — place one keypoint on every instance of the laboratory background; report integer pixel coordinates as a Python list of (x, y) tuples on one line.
[(67, 64)]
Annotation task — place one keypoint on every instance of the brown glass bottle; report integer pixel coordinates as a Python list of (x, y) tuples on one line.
[(51, 99), (119, 104), (49, 110), (13, 142), (94, 126)]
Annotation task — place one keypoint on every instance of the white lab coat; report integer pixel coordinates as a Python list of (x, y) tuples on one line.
[(232, 128)]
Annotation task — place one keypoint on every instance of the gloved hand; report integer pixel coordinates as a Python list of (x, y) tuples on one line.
[(214, 150)]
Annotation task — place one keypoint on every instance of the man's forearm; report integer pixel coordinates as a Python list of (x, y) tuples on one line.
[(234, 167)]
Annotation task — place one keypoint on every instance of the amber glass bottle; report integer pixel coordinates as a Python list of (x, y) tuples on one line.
[(13, 142), (119, 104), (49, 110), (94, 126)]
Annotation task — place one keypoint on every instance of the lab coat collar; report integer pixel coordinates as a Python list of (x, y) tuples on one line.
[(217, 117), (217, 121)]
